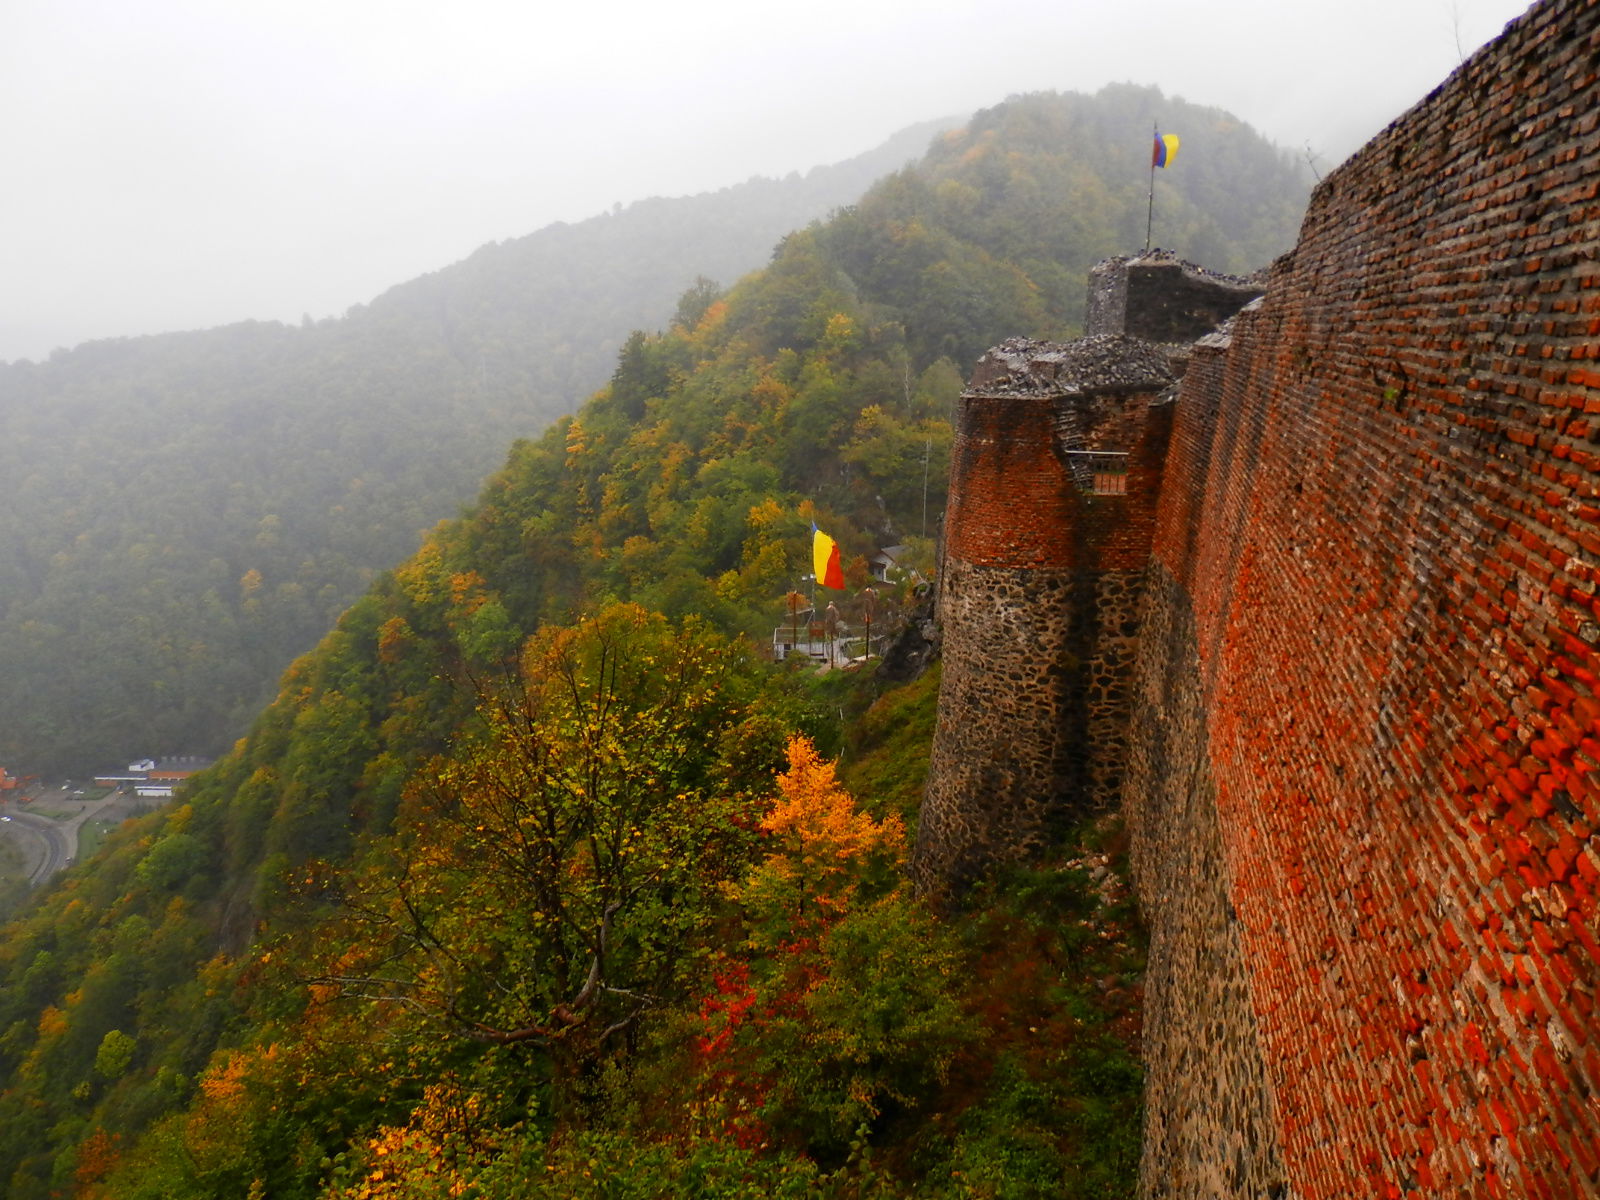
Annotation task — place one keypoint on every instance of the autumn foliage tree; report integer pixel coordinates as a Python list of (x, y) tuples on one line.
[(824, 847), (850, 1006), (560, 866)]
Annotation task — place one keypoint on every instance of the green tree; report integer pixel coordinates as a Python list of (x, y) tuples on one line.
[(692, 305), (115, 1053), (559, 870)]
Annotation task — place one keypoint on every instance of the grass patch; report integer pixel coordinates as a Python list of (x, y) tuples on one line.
[(885, 763), (14, 886), (92, 835), (11, 861)]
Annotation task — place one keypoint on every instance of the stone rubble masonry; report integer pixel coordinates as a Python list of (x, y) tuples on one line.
[(1211, 1125), (1363, 774), (1039, 597), (1158, 297)]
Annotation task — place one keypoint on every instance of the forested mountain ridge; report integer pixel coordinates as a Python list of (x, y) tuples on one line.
[(532, 875), (182, 514)]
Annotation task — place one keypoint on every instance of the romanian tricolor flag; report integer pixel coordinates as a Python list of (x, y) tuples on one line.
[(1165, 150), (825, 559)]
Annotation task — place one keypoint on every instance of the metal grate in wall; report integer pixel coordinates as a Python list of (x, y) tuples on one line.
[(1100, 472)]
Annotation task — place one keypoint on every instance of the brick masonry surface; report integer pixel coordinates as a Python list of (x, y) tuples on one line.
[(1364, 776), (1039, 597), (1212, 1123)]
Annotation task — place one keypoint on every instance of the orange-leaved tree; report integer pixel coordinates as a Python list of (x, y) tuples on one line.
[(851, 1003), (824, 847)]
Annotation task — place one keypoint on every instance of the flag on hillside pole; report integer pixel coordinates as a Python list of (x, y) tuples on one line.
[(825, 559), (1165, 150), (1162, 152)]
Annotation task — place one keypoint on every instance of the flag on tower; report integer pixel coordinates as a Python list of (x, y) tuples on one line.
[(1165, 150), (825, 561)]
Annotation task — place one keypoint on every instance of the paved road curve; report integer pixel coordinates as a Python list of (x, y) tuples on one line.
[(49, 844), (46, 844)]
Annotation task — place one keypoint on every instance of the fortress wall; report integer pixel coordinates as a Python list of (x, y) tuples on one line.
[(1039, 600), (1010, 497), (1212, 1123), (1365, 779)]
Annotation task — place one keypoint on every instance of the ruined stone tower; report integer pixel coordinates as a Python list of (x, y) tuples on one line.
[(1158, 297), (1054, 480), (1056, 463)]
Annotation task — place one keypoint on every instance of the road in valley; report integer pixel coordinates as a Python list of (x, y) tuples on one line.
[(49, 845), (43, 842)]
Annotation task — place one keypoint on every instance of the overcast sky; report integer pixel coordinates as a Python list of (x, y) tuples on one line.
[(174, 164)]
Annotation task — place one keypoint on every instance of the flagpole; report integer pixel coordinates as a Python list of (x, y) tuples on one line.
[(1150, 212)]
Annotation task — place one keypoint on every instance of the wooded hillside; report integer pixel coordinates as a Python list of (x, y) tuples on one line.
[(536, 875), (181, 515)]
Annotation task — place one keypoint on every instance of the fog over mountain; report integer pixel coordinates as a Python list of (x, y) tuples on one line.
[(185, 512), (176, 165)]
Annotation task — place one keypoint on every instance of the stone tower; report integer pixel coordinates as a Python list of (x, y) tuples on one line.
[(1056, 467), (1055, 475), (1160, 298)]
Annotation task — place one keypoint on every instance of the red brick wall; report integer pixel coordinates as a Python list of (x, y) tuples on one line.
[(1039, 599), (1013, 502), (1011, 499), (1380, 522)]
